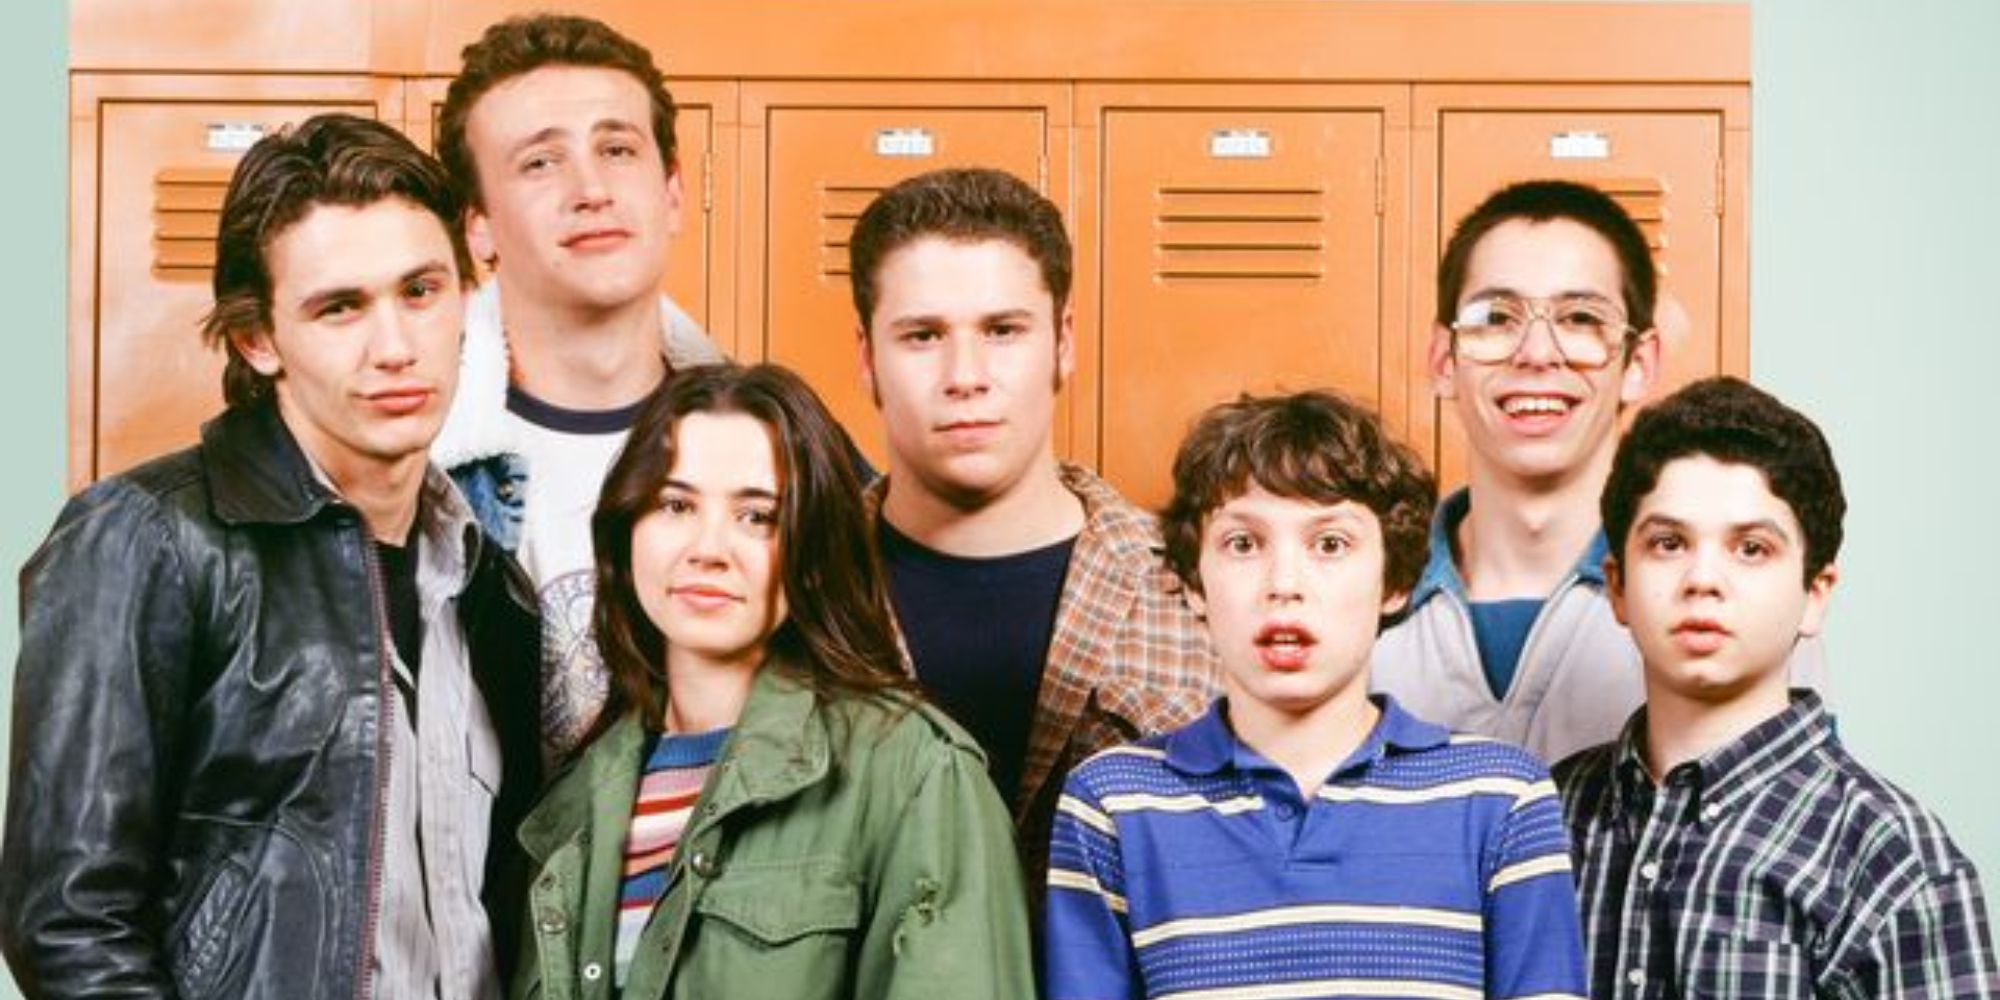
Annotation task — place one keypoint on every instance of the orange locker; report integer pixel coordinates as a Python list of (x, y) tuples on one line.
[(819, 154), (1673, 157), (1246, 234), (158, 153), (701, 262)]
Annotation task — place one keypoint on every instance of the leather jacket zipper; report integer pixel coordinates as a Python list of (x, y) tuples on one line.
[(385, 716)]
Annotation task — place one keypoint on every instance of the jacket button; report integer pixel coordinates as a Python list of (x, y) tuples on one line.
[(703, 864), (552, 922), (592, 972)]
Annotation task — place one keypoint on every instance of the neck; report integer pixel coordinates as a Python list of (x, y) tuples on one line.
[(385, 491), (1309, 745), (1521, 539), (1680, 729), (1036, 511), (706, 694), (585, 359)]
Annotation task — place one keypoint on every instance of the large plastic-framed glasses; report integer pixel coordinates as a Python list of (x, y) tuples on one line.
[(1588, 330)]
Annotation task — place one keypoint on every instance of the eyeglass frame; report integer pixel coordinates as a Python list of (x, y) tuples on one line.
[(1543, 309)]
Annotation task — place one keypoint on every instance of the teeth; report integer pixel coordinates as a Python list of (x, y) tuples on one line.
[(1535, 404)]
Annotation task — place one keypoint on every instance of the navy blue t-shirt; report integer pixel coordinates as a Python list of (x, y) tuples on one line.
[(978, 631), (1501, 629)]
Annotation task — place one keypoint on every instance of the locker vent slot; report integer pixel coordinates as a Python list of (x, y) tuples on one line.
[(840, 206), (187, 204), (1645, 200), (1239, 233)]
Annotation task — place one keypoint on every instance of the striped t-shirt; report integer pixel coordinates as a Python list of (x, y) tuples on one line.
[(1428, 864), (674, 773)]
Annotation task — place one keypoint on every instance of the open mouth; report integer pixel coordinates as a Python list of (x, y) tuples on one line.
[(1531, 405), (1284, 646)]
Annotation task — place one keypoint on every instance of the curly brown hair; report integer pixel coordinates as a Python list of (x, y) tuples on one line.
[(1316, 445), (520, 45)]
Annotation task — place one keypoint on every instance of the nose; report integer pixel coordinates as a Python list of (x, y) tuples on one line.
[(1281, 576), (966, 374), (1538, 349), (708, 545), (587, 189), (390, 343), (1704, 571)]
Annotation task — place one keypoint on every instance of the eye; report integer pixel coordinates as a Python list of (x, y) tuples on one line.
[(536, 163), (1331, 544), (1587, 314), (1755, 549), (620, 149), (1006, 331), (339, 309), (1504, 312), (1237, 543), (761, 518), (424, 289), (1664, 542), (676, 504), (921, 335)]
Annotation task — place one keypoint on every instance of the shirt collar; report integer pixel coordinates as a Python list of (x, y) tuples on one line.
[(1208, 746), (1742, 765), (1441, 571)]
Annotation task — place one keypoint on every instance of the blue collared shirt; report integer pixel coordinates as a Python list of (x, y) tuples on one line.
[(1426, 864), (1441, 572)]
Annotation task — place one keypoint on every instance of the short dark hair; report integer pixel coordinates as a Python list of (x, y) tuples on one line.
[(1543, 201), (964, 206), (520, 45), (1318, 446), (1731, 421), (837, 635), (329, 159)]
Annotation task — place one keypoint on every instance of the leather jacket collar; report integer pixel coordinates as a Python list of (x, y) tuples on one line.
[(257, 474)]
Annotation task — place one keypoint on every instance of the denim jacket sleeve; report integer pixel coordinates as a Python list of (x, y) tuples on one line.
[(106, 634), (950, 917)]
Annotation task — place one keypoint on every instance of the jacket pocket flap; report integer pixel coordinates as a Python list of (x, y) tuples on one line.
[(776, 902)]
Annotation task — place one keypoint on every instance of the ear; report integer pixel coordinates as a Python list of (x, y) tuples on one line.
[(1065, 345), (676, 199), (1614, 588), (1642, 368), (1196, 600), (479, 237), (1395, 603), (256, 347), (1818, 593), (1442, 365)]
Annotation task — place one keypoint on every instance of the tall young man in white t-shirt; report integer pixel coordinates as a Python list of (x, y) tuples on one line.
[(560, 133)]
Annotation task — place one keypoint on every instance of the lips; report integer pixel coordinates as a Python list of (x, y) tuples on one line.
[(968, 433), (595, 239), (704, 597), (1284, 646), (1700, 636), (401, 400)]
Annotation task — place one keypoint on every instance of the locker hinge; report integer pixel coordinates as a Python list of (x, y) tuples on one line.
[(707, 181), (1381, 187), (1721, 187)]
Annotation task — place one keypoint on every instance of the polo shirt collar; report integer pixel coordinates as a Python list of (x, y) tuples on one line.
[(1441, 571), (1207, 746)]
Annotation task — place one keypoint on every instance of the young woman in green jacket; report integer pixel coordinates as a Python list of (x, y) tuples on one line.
[(766, 809)]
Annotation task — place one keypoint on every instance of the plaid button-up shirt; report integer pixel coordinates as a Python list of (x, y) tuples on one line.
[(1775, 866), (1128, 657)]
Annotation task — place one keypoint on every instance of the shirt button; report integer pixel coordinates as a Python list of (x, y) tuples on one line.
[(703, 864), (1636, 977), (592, 972), (553, 922), (1286, 810), (1649, 871), (1711, 812)]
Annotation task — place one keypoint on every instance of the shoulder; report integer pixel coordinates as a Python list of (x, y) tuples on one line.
[(1886, 829), (898, 730), (143, 504), (1113, 524)]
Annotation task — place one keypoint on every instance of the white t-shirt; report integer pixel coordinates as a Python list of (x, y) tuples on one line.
[(567, 454)]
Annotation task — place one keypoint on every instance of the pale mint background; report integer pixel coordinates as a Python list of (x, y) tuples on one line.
[(1875, 272)]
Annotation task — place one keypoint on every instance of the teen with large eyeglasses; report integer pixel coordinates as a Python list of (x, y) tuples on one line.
[(1544, 334)]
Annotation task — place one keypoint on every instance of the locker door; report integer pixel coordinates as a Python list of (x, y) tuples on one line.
[(1242, 253), (827, 159), (1666, 166), (158, 160), (698, 262)]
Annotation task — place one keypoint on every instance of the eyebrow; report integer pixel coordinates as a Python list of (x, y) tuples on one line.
[(744, 493), (1741, 527), (1569, 293), (599, 127), (313, 301), (937, 319)]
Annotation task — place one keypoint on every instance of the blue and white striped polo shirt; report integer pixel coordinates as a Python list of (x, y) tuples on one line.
[(1428, 865)]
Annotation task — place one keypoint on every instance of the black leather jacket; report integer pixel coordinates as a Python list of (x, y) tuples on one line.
[(195, 800)]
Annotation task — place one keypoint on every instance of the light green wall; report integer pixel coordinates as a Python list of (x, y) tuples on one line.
[(1875, 234), (1875, 249)]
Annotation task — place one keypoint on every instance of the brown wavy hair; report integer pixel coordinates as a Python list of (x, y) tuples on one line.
[(1318, 446), (837, 637)]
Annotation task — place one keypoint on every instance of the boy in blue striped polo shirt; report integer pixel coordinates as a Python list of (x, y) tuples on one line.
[(1304, 839)]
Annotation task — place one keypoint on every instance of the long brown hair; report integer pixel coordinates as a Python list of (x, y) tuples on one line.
[(837, 636)]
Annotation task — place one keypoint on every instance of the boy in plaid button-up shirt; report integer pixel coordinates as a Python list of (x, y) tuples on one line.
[(1727, 845), (1033, 599)]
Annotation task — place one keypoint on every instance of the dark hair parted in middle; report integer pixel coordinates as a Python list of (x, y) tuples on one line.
[(329, 159), (1317, 446), (1545, 201), (1731, 421), (962, 206), (837, 633)]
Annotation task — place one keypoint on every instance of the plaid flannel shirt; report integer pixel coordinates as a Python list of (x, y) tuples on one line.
[(1775, 866), (1129, 658)]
